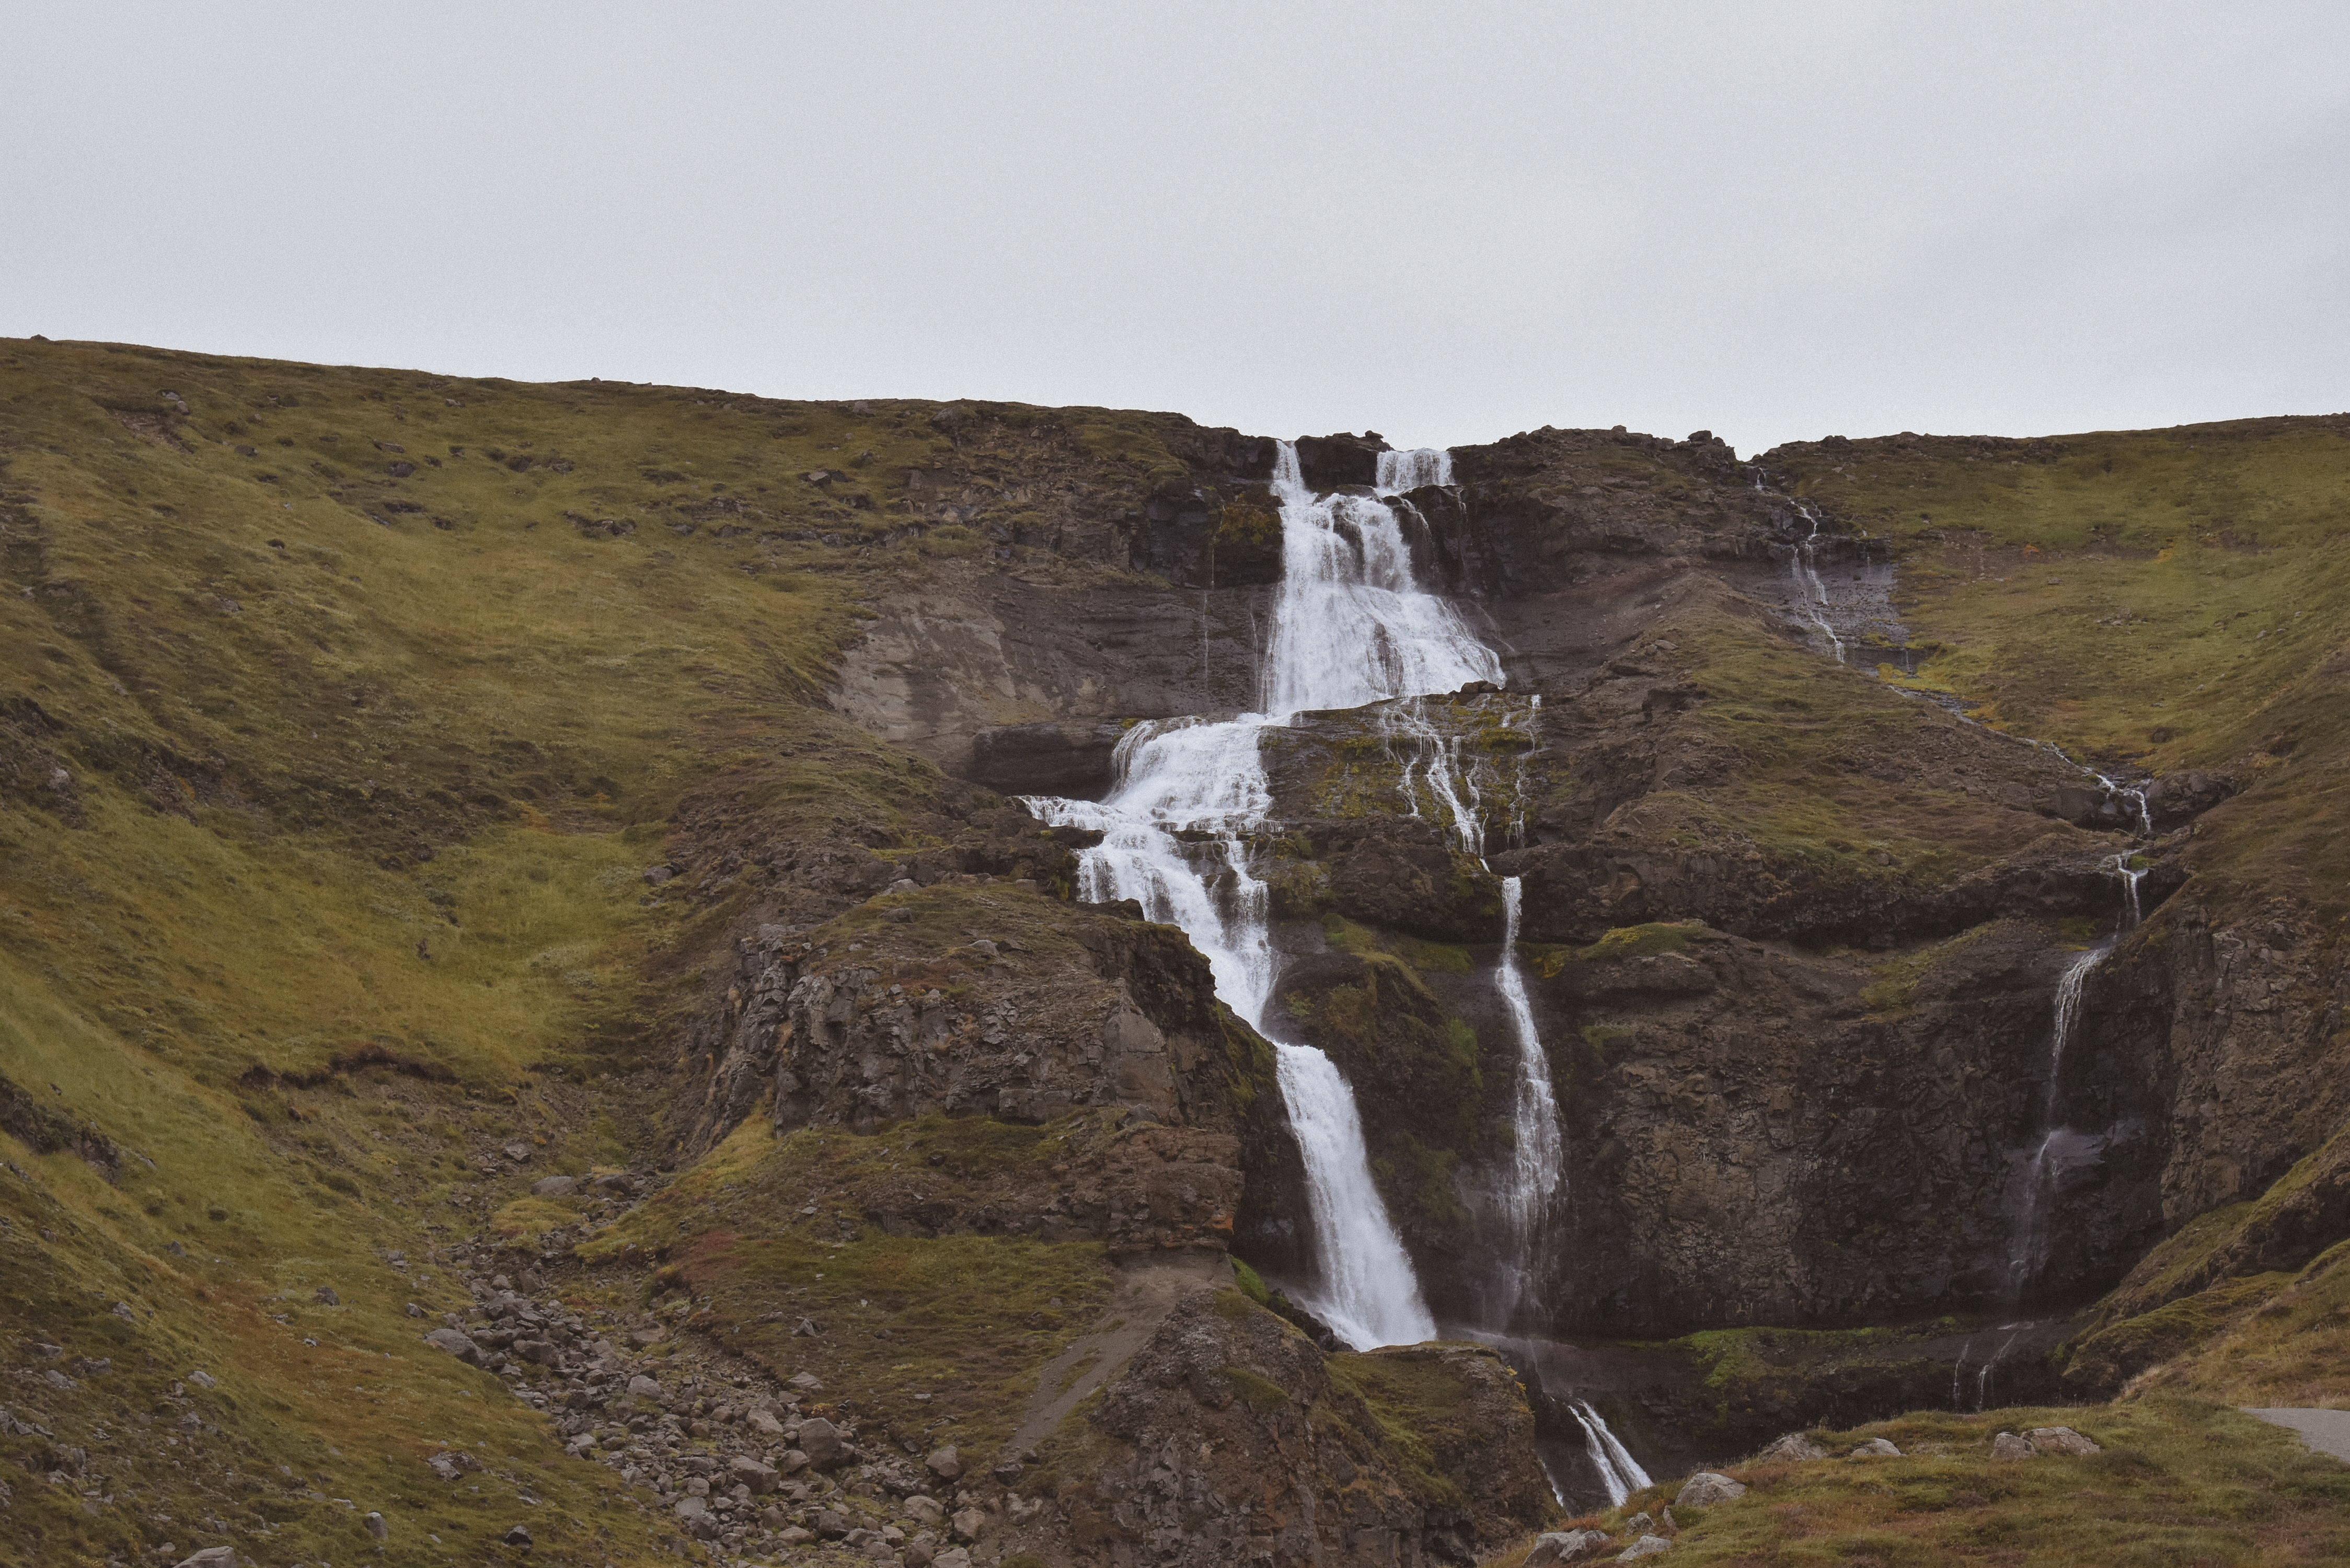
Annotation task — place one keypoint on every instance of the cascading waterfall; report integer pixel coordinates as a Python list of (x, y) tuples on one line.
[(1351, 628)]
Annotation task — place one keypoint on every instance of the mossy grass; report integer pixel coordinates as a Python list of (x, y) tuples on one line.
[(2178, 1481), (967, 1320)]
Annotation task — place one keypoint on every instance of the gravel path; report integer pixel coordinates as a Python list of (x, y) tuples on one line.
[(2327, 1431)]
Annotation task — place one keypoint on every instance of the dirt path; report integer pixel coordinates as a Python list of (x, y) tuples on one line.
[(2327, 1431), (1148, 1289)]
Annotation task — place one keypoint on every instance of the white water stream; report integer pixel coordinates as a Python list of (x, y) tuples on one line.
[(1536, 1165), (1619, 1472), (2029, 1253), (1810, 593)]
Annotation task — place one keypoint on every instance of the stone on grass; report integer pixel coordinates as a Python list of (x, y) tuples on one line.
[(1875, 1449), (1706, 1489), (2059, 1440), (212, 1557), (1647, 1546), (554, 1187), (1565, 1546), (2008, 1446), (518, 1536), (457, 1343), (324, 1296), (946, 1464), (1794, 1446), (376, 1526)]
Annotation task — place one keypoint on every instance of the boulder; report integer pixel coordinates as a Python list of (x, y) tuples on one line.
[(925, 1511), (970, 1524), (1647, 1546), (212, 1557), (2180, 797), (954, 1557), (1794, 1446), (791, 1462), (762, 1478), (946, 1464), (2008, 1446), (1707, 1489), (518, 1536), (375, 1525), (555, 1186), (457, 1343), (820, 1441), (643, 1388), (1875, 1449), (2059, 1440), (1565, 1546)]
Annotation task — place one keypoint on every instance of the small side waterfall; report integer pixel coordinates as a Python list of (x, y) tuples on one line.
[(1810, 593), (1619, 1472), (2028, 1256), (1535, 1163)]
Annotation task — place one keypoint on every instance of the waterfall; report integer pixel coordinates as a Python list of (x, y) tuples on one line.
[(1401, 470), (1370, 1293), (1810, 593), (1351, 628), (1535, 1163), (2029, 1255), (1350, 625), (1619, 1472)]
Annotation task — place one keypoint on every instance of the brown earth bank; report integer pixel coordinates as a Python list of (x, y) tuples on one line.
[(545, 863)]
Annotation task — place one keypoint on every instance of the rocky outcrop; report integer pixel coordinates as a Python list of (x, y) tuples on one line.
[(1229, 1437), (961, 1001)]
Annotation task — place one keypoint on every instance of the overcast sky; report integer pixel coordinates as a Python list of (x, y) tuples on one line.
[(1443, 223)]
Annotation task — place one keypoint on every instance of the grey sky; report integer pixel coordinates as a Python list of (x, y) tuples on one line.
[(1443, 223)]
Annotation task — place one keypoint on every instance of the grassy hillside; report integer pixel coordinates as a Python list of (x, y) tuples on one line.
[(344, 711), (2168, 599)]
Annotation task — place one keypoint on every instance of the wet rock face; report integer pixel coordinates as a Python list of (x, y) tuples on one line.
[(1229, 1437), (1755, 1136)]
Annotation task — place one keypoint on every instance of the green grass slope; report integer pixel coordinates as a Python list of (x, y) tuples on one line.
[(2171, 599)]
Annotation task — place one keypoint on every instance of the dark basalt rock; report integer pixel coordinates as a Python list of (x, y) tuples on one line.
[(1047, 758)]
